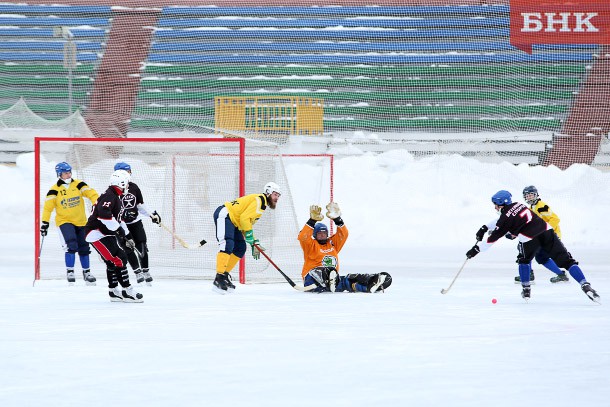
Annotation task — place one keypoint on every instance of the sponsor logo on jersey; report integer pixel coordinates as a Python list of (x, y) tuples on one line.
[(329, 261), (70, 202), (129, 201)]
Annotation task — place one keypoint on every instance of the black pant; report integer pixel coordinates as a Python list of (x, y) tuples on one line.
[(138, 260), (115, 258), (551, 244)]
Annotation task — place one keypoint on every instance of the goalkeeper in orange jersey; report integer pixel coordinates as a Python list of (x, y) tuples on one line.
[(321, 254)]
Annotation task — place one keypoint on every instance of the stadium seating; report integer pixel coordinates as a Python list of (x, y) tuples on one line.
[(384, 69)]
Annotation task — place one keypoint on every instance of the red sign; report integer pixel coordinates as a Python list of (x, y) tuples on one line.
[(559, 22)]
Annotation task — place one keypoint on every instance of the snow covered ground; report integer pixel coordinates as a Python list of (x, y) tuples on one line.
[(269, 345)]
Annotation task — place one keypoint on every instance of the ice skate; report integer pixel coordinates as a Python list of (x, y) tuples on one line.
[(139, 276), (71, 277), (230, 285), (376, 283), (380, 283), (518, 278), (115, 294), (147, 277), (526, 293), (221, 285), (88, 277), (560, 278), (130, 295), (591, 293)]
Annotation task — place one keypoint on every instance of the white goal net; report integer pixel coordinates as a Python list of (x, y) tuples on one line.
[(185, 180)]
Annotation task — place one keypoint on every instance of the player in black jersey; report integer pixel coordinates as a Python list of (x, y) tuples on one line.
[(533, 233), (110, 237), (133, 207)]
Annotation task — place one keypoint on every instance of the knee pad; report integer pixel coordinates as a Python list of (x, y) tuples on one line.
[(359, 278), (322, 277)]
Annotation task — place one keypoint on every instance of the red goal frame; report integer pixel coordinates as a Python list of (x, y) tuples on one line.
[(37, 203)]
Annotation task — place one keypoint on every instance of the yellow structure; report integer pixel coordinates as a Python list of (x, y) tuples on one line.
[(235, 116)]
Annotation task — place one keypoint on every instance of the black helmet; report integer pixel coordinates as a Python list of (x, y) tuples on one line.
[(531, 190)]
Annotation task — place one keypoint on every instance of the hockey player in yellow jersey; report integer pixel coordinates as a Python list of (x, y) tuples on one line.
[(234, 221), (66, 198), (542, 209)]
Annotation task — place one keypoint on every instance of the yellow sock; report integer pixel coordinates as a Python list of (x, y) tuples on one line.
[(222, 259), (233, 260)]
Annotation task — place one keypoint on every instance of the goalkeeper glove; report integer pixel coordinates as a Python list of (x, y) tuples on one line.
[(315, 213), (44, 228), (481, 232), (333, 211)]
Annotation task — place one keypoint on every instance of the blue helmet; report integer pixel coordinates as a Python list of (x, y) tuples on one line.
[(502, 198), (319, 227), (62, 167), (122, 166)]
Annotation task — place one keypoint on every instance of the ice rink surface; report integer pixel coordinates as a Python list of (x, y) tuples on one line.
[(270, 345)]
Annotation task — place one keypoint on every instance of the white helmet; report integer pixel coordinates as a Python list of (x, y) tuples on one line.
[(120, 178), (272, 187)]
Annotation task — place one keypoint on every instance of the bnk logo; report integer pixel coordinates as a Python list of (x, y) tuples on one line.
[(562, 22), (559, 22)]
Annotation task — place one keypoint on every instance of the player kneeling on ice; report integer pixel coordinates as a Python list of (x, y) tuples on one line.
[(109, 236), (533, 234), (321, 254)]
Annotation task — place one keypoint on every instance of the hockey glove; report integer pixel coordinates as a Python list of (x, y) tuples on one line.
[(510, 236), (481, 232), (130, 215), (120, 233), (249, 236), (473, 252), (129, 243), (44, 228), (256, 250), (315, 213), (332, 210), (156, 218)]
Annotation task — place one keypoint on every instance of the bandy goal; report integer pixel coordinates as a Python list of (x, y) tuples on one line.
[(185, 180)]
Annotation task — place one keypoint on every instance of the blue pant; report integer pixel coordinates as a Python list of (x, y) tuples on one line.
[(74, 242), (230, 239)]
